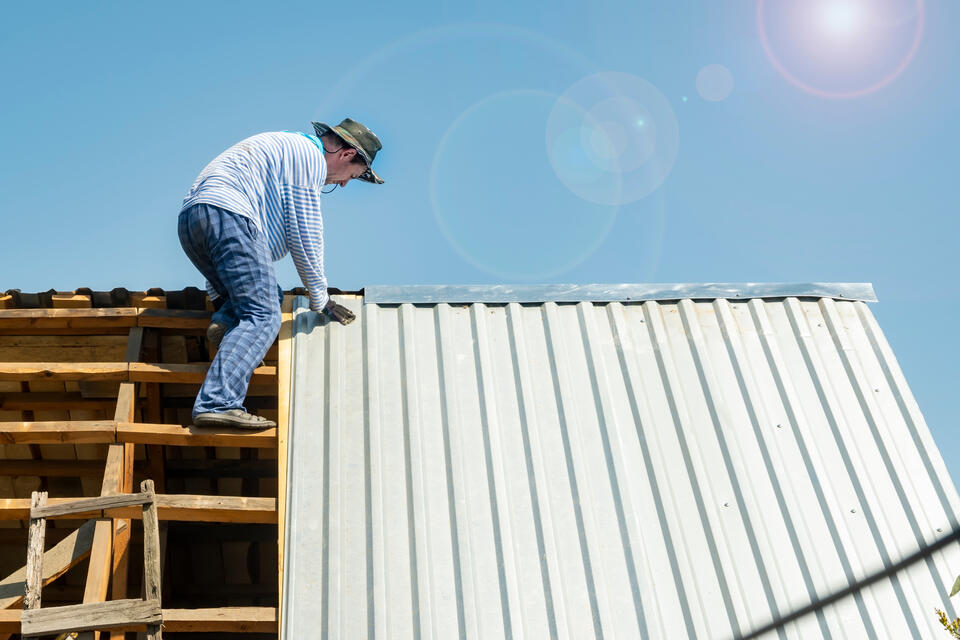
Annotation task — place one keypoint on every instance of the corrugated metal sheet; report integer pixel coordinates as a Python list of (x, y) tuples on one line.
[(640, 470)]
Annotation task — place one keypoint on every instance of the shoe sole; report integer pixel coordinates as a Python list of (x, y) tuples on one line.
[(234, 423)]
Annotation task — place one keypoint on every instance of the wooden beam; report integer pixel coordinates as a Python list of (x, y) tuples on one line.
[(214, 620), (223, 619), (68, 318), (173, 319), (52, 400), (33, 571), (73, 432), (187, 373), (126, 406), (186, 508), (117, 614), (21, 371), (193, 436), (71, 301), (151, 555), (66, 554)]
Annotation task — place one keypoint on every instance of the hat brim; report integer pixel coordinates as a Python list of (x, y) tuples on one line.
[(322, 128)]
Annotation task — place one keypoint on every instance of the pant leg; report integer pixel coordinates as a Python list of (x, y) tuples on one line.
[(195, 228), (241, 262)]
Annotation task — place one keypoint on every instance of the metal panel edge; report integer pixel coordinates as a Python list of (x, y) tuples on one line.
[(501, 293)]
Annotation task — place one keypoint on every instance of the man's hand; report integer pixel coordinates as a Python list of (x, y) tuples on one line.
[(339, 313)]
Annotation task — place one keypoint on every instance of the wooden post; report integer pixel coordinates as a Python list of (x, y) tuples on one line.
[(34, 577), (151, 555)]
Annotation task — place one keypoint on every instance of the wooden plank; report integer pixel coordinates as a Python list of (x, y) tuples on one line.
[(117, 614), (19, 371), (105, 343), (51, 468), (223, 619), (151, 555), (189, 373), (71, 301), (284, 344), (33, 572), (173, 319), (194, 508), (212, 620), (186, 508), (65, 331), (52, 401), (98, 571), (66, 554), (103, 503), (68, 318), (59, 354), (76, 431), (145, 300), (194, 436)]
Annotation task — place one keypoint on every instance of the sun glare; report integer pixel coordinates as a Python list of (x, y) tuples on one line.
[(842, 18)]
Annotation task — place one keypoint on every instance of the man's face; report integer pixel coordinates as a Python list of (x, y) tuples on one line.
[(341, 167)]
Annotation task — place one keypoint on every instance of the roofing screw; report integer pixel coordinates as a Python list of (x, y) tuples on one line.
[(779, 426), (726, 504), (939, 530), (853, 510)]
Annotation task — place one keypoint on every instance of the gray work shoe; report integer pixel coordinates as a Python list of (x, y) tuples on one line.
[(237, 418), (215, 333)]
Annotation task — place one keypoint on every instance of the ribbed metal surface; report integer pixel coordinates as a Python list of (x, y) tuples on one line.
[(646, 470)]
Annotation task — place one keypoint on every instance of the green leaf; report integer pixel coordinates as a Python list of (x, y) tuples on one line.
[(956, 587)]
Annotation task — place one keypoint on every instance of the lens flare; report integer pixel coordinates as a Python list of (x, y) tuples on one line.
[(496, 199), (612, 138), (840, 49), (714, 83)]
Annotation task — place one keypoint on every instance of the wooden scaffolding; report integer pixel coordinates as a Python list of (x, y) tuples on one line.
[(95, 396)]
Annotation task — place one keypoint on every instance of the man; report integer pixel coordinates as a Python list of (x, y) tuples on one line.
[(256, 202)]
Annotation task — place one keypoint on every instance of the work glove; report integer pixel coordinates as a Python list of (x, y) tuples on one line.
[(338, 312)]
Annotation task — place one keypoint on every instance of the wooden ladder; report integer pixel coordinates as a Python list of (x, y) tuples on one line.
[(99, 616)]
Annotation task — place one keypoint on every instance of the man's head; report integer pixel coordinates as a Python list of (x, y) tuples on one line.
[(343, 162), (349, 149)]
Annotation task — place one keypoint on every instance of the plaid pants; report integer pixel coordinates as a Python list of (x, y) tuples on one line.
[(231, 252)]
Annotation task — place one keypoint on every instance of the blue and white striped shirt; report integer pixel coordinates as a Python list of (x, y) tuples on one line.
[(275, 180)]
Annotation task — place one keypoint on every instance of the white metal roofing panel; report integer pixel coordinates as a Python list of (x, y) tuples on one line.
[(615, 470)]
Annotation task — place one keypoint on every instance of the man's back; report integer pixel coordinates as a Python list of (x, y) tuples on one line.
[(254, 177)]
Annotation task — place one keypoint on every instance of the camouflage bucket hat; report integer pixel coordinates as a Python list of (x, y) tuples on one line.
[(360, 138)]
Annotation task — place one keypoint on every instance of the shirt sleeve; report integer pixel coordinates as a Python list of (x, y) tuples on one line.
[(304, 231)]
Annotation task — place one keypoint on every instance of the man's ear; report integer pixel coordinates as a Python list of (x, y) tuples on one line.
[(349, 153)]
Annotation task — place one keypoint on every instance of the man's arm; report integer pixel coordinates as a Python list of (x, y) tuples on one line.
[(304, 230)]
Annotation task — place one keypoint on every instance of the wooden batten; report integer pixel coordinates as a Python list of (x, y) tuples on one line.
[(181, 507), (193, 436), (211, 620), (74, 432)]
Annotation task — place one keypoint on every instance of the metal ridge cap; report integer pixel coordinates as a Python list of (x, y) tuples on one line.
[(502, 293)]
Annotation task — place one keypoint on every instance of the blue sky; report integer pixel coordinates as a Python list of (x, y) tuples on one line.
[(110, 110)]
